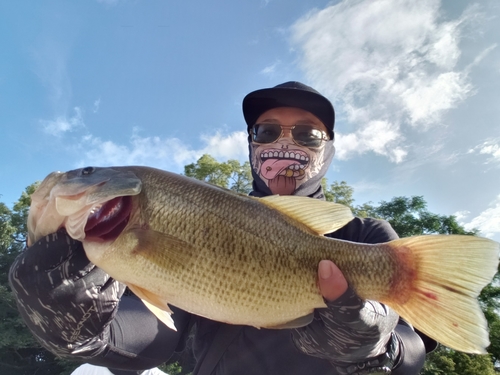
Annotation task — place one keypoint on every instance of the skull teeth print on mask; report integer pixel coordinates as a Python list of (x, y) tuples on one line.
[(284, 169), (285, 163)]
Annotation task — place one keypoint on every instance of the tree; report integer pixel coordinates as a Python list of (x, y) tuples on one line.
[(338, 192), (490, 302), (241, 176), (20, 353), (343, 194), (410, 217), (449, 362), (230, 174)]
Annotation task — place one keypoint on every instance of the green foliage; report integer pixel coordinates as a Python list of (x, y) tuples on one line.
[(490, 302), (410, 217), (439, 363), (20, 354), (472, 364), (494, 325), (338, 192), (241, 177), (448, 362), (173, 369), (11, 244), (7, 230), (230, 175), (407, 215)]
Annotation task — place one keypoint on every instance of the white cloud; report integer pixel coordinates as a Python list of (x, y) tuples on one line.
[(426, 100), (63, 124), (491, 148), (224, 147), (481, 56), (271, 68), (488, 221), (97, 104), (461, 215), (380, 137), (166, 153), (388, 61)]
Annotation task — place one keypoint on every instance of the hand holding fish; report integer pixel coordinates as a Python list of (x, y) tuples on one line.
[(358, 320), (55, 278), (332, 282)]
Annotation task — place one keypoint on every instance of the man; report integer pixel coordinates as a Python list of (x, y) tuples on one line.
[(85, 317)]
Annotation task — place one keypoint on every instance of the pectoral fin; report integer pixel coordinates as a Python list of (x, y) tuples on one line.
[(176, 252), (156, 305)]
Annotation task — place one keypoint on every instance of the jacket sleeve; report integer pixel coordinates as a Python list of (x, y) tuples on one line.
[(75, 310), (358, 336)]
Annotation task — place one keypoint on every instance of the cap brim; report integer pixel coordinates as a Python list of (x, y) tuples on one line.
[(260, 101)]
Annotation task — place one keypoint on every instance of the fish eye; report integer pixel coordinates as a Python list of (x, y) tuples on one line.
[(88, 170)]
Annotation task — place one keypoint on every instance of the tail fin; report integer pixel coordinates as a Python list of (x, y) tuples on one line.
[(450, 273)]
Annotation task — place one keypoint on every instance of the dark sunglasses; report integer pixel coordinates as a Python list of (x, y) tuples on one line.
[(302, 135)]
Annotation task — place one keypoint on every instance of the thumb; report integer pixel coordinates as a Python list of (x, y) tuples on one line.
[(332, 282)]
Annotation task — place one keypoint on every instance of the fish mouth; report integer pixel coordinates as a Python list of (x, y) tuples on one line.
[(106, 222)]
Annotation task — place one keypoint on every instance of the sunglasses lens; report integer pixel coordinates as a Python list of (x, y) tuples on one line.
[(266, 133), (307, 136), (303, 135)]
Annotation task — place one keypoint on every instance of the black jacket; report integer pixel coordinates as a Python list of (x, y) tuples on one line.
[(73, 310)]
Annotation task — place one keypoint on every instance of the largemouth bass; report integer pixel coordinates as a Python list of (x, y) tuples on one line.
[(253, 261)]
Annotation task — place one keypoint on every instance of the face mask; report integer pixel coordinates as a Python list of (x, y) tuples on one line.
[(289, 169)]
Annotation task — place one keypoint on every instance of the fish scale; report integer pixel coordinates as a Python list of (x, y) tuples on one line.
[(254, 261)]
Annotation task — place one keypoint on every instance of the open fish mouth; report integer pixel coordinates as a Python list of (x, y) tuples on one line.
[(106, 222)]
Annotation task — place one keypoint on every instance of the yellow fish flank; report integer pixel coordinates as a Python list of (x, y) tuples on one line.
[(243, 260)]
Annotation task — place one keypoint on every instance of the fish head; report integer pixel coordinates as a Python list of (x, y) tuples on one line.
[(89, 201)]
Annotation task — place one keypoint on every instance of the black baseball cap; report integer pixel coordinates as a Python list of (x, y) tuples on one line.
[(289, 94)]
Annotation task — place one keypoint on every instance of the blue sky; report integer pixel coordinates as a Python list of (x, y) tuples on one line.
[(415, 85)]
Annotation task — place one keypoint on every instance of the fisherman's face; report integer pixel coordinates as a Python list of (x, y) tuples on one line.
[(287, 156)]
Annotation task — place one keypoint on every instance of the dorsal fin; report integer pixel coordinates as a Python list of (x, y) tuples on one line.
[(320, 216)]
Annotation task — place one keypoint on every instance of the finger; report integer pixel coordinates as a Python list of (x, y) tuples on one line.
[(332, 282)]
